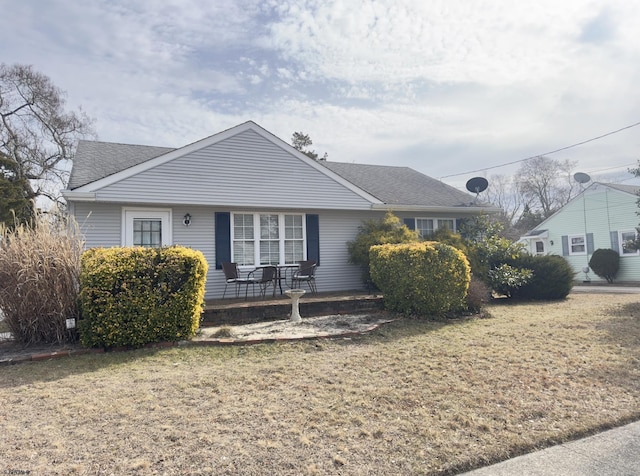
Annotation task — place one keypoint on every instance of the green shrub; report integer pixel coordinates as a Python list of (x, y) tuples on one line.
[(605, 263), (451, 238), (136, 296), (552, 277), (377, 232), (506, 279), (486, 245), (426, 278), (39, 269)]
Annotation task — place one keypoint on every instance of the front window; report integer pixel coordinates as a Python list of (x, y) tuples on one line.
[(280, 238), (243, 239), (269, 239), (626, 243), (577, 245), (293, 238), (446, 223), (426, 227)]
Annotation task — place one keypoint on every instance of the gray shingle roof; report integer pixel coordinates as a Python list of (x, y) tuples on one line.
[(96, 160), (401, 185), (392, 185)]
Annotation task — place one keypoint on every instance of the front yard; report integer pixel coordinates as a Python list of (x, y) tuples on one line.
[(412, 398)]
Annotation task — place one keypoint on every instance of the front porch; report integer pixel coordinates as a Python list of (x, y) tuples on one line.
[(234, 311)]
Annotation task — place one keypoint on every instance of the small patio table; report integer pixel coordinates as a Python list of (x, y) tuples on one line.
[(281, 276)]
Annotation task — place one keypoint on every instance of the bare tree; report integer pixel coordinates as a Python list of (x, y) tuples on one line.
[(545, 184), (36, 133), (503, 193)]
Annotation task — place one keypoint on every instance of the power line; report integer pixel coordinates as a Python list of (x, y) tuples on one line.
[(545, 153), (597, 171)]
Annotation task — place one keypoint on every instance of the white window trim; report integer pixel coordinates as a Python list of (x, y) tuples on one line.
[(535, 247), (131, 213), (621, 251), (577, 253), (256, 235)]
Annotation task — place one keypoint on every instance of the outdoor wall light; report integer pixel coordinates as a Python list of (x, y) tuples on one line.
[(551, 242), (187, 219)]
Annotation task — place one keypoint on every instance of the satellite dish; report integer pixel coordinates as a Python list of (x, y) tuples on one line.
[(581, 177), (477, 184)]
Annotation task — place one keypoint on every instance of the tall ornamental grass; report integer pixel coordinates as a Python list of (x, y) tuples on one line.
[(39, 279)]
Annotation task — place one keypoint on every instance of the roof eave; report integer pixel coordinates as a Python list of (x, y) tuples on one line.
[(466, 210)]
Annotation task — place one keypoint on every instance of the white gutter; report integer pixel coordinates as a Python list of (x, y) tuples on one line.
[(79, 196), (423, 208)]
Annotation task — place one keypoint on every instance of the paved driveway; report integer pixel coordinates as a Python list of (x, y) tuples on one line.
[(606, 288)]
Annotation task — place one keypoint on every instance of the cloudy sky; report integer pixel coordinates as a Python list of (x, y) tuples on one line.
[(447, 87)]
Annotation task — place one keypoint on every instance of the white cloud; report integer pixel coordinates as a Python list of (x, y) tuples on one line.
[(443, 86)]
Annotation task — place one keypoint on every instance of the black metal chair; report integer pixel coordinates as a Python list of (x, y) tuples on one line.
[(232, 276), (306, 272), (268, 278)]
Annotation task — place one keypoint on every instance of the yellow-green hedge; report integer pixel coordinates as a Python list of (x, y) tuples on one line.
[(135, 296), (426, 279)]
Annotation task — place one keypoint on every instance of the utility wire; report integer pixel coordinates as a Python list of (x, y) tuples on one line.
[(545, 153)]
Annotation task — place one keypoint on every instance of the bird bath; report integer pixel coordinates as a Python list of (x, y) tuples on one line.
[(295, 295)]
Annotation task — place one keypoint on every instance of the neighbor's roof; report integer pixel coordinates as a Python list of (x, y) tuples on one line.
[(96, 160), (634, 189), (402, 185)]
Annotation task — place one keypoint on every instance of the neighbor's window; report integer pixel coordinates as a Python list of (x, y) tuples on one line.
[(577, 245), (539, 247), (625, 247), (280, 238)]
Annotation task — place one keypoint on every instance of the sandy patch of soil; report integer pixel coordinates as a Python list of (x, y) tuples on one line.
[(322, 326)]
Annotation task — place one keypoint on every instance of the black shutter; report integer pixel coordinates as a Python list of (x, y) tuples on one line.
[(313, 238), (615, 244), (223, 238), (411, 223), (589, 243)]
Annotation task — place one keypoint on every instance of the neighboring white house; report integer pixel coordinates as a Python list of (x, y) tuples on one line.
[(245, 195), (602, 216)]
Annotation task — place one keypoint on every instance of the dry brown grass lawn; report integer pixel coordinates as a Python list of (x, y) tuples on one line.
[(412, 398)]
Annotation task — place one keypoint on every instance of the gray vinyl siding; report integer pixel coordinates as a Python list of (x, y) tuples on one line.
[(600, 211), (100, 223), (101, 226), (245, 170)]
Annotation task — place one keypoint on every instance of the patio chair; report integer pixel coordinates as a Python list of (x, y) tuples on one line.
[(268, 278), (306, 272), (232, 276)]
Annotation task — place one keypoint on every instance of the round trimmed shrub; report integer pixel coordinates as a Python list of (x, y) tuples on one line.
[(427, 278), (552, 277), (605, 263)]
